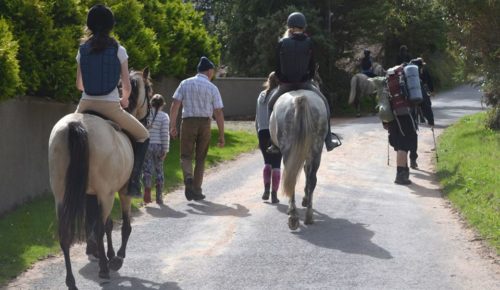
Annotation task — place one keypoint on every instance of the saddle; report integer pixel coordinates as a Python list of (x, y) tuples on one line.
[(112, 123)]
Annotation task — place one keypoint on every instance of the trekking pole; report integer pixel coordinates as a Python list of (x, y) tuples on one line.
[(435, 147), (388, 152)]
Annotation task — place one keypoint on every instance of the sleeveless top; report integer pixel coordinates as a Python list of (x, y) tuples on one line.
[(295, 57), (100, 71)]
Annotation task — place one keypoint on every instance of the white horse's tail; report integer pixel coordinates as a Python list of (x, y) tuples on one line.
[(354, 87), (71, 213), (301, 145)]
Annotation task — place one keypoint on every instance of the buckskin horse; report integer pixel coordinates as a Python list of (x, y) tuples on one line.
[(90, 159)]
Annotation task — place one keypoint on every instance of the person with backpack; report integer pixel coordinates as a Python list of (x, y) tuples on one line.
[(158, 125), (367, 65), (295, 69), (102, 63), (424, 109), (271, 172)]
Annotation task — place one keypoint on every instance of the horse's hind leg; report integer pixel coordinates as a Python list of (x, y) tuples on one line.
[(117, 261), (293, 216), (65, 243), (311, 168)]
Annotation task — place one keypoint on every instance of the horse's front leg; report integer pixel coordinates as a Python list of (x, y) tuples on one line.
[(103, 260), (293, 217), (109, 230), (117, 261)]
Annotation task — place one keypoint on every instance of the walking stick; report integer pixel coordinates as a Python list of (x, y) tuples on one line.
[(387, 151), (435, 147)]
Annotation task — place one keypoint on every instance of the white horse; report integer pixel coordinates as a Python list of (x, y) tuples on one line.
[(90, 160), (362, 88), (298, 127)]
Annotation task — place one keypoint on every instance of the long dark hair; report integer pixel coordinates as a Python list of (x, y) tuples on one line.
[(156, 102)]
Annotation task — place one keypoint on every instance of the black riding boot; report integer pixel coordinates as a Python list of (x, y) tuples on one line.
[(134, 184)]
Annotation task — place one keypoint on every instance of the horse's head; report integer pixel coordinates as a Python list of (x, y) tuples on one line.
[(142, 91)]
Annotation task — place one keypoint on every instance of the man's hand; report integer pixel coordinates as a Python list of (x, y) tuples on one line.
[(221, 142), (173, 132)]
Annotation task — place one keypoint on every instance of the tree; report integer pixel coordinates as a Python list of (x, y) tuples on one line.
[(9, 66), (475, 33)]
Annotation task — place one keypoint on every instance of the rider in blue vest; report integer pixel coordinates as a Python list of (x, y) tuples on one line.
[(295, 69), (102, 62)]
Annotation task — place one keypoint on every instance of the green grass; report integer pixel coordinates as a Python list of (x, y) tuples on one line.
[(469, 171), (28, 233)]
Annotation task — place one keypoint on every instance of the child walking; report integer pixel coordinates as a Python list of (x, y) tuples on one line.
[(158, 148)]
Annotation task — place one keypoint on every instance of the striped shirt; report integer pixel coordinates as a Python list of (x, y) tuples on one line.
[(199, 97), (158, 129)]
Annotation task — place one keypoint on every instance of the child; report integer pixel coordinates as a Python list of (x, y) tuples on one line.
[(158, 148)]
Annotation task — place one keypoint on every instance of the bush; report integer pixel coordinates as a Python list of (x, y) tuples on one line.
[(10, 81)]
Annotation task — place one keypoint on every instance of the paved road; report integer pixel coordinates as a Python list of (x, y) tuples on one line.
[(369, 233)]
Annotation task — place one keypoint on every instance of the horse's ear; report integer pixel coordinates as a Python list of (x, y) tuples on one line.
[(145, 72)]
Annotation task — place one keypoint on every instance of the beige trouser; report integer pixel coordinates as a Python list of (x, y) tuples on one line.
[(195, 137), (115, 113)]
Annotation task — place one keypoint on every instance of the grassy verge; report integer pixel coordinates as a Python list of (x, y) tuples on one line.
[(29, 234), (469, 171)]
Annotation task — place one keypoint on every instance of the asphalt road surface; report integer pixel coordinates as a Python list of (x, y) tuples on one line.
[(369, 233)]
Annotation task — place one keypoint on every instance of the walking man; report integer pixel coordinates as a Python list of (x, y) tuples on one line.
[(200, 100)]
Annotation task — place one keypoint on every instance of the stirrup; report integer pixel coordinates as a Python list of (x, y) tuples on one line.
[(273, 149)]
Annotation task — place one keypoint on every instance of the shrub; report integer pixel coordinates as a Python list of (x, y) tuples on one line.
[(10, 81)]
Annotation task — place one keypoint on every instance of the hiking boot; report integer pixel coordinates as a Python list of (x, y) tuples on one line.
[(274, 197), (188, 190), (197, 195), (413, 164), (402, 177), (273, 149)]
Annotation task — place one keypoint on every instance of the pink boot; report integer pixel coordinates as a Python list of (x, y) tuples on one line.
[(266, 174), (276, 178)]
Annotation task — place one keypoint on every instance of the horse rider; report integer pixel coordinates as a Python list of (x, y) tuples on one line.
[(102, 62), (366, 64), (295, 69)]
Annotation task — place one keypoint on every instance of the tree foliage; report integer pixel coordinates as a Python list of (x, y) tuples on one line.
[(9, 65), (167, 36), (475, 33)]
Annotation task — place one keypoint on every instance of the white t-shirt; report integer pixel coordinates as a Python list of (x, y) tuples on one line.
[(114, 96)]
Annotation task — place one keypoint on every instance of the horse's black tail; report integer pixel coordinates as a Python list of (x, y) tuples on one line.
[(71, 212)]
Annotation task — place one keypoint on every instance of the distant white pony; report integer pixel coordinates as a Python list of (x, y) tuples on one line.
[(362, 88)]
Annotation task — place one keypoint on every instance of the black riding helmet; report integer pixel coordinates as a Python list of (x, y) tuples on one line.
[(296, 20), (100, 19), (367, 52)]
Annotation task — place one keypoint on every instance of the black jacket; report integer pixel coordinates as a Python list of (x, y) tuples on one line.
[(295, 59)]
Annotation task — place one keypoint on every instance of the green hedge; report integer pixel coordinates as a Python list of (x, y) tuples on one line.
[(166, 36), (9, 66)]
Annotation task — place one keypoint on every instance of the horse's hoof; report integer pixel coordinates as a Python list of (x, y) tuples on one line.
[(104, 275), (115, 263), (293, 223)]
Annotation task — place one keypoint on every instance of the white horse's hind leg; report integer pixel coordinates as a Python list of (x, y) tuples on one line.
[(293, 217), (310, 169)]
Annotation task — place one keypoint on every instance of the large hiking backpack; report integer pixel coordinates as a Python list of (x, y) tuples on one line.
[(403, 84)]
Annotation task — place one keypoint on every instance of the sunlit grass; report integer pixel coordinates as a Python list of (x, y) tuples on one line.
[(469, 170)]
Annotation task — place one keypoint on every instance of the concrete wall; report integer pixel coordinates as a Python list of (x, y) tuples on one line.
[(25, 125), (239, 95)]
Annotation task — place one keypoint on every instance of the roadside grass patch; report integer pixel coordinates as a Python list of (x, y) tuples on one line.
[(29, 233), (469, 171)]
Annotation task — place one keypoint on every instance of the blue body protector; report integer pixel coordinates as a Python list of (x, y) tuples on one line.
[(100, 71)]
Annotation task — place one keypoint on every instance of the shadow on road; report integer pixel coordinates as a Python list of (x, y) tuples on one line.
[(165, 212), (215, 209), (338, 234), (90, 272)]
